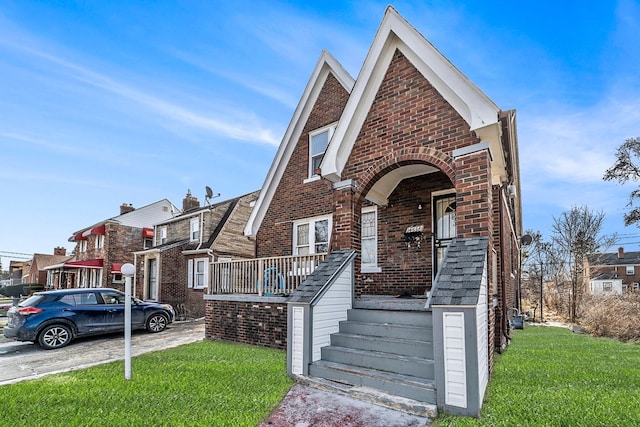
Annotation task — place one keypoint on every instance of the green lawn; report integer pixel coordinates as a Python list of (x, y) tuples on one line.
[(202, 384), (552, 377)]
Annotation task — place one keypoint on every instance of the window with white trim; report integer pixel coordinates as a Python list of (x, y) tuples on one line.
[(311, 236), (163, 234), (194, 229), (318, 142), (83, 246), (630, 270), (369, 239), (198, 273), (99, 244), (607, 286)]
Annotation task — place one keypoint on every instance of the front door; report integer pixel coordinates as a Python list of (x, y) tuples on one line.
[(152, 277), (444, 225)]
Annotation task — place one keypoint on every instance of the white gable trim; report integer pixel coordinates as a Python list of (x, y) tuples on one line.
[(396, 33), (326, 65)]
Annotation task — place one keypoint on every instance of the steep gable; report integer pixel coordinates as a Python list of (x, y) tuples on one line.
[(397, 35), (326, 66)]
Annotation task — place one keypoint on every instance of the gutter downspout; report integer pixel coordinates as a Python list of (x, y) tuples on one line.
[(504, 291)]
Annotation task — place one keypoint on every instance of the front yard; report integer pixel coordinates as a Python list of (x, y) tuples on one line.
[(202, 384), (552, 377)]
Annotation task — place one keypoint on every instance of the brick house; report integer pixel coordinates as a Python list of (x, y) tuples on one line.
[(176, 269), (612, 273), (396, 198), (102, 248), (35, 270)]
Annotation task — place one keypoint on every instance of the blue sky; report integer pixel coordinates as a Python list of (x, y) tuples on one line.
[(103, 103)]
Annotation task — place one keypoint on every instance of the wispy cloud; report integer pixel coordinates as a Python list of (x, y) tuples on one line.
[(224, 125)]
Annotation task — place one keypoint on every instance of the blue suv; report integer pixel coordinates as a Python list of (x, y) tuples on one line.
[(54, 318)]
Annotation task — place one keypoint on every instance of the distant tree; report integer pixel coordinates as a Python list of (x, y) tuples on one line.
[(627, 168), (576, 234)]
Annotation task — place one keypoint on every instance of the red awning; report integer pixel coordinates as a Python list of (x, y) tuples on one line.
[(90, 263), (147, 233), (116, 267), (79, 236), (96, 231)]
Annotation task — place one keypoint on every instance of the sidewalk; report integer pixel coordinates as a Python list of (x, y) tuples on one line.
[(305, 406)]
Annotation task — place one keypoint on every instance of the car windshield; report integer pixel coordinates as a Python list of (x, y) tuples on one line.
[(31, 301)]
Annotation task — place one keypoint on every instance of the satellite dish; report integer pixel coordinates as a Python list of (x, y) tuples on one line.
[(526, 239), (210, 194)]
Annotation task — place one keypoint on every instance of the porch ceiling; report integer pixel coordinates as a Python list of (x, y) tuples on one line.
[(379, 193)]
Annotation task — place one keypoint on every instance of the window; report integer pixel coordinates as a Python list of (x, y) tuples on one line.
[(444, 225), (607, 286), (369, 227), (198, 273), (635, 286), (630, 270), (117, 278), (194, 229), (83, 246), (318, 142), (311, 236), (148, 243), (99, 242), (163, 235)]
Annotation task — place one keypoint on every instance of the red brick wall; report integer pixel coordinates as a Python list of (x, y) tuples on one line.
[(405, 269), (294, 199), (256, 323)]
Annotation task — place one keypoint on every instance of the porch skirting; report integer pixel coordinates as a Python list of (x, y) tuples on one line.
[(248, 319)]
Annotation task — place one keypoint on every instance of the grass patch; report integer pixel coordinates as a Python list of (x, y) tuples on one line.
[(203, 384), (552, 377)]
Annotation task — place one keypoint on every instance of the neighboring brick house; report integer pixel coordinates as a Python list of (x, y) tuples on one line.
[(612, 273), (398, 166), (102, 248), (176, 269), (35, 270)]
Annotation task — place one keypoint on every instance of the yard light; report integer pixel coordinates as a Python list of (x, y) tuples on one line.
[(128, 271)]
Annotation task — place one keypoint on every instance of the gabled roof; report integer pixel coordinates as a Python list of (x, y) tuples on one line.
[(611, 258), (465, 97), (325, 65), (141, 217)]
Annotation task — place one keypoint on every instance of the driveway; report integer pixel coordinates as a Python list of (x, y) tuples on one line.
[(24, 361)]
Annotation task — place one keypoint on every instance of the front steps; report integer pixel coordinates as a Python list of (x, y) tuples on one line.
[(385, 352)]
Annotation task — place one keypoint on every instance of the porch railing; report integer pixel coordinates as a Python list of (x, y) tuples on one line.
[(262, 276)]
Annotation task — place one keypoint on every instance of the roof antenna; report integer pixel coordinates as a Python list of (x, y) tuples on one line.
[(210, 195)]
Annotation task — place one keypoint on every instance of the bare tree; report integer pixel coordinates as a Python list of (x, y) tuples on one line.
[(576, 234), (627, 168)]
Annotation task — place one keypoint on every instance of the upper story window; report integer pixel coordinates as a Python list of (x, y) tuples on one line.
[(83, 246), (163, 234), (318, 142), (369, 244), (194, 228), (311, 236), (99, 242), (630, 270)]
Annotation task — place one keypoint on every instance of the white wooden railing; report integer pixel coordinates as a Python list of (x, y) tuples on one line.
[(262, 276)]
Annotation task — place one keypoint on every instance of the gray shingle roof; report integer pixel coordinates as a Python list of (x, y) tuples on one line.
[(316, 281), (460, 277), (611, 258)]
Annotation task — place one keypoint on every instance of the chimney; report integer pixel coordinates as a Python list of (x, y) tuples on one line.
[(620, 253), (126, 207), (189, 202), (59, 250)]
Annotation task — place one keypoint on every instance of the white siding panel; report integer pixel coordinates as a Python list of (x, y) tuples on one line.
[(330, 310), (482, 323), (454, 360), (297, 344)]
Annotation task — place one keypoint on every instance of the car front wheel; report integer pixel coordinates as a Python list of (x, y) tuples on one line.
[(156, 323), (54, 336)]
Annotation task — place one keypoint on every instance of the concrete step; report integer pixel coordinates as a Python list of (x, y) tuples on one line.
[(424, 333), (388, 362), (411, 318), (401, 346), (406, 386)]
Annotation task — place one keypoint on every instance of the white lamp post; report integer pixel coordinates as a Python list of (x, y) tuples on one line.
[(128, 270)]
